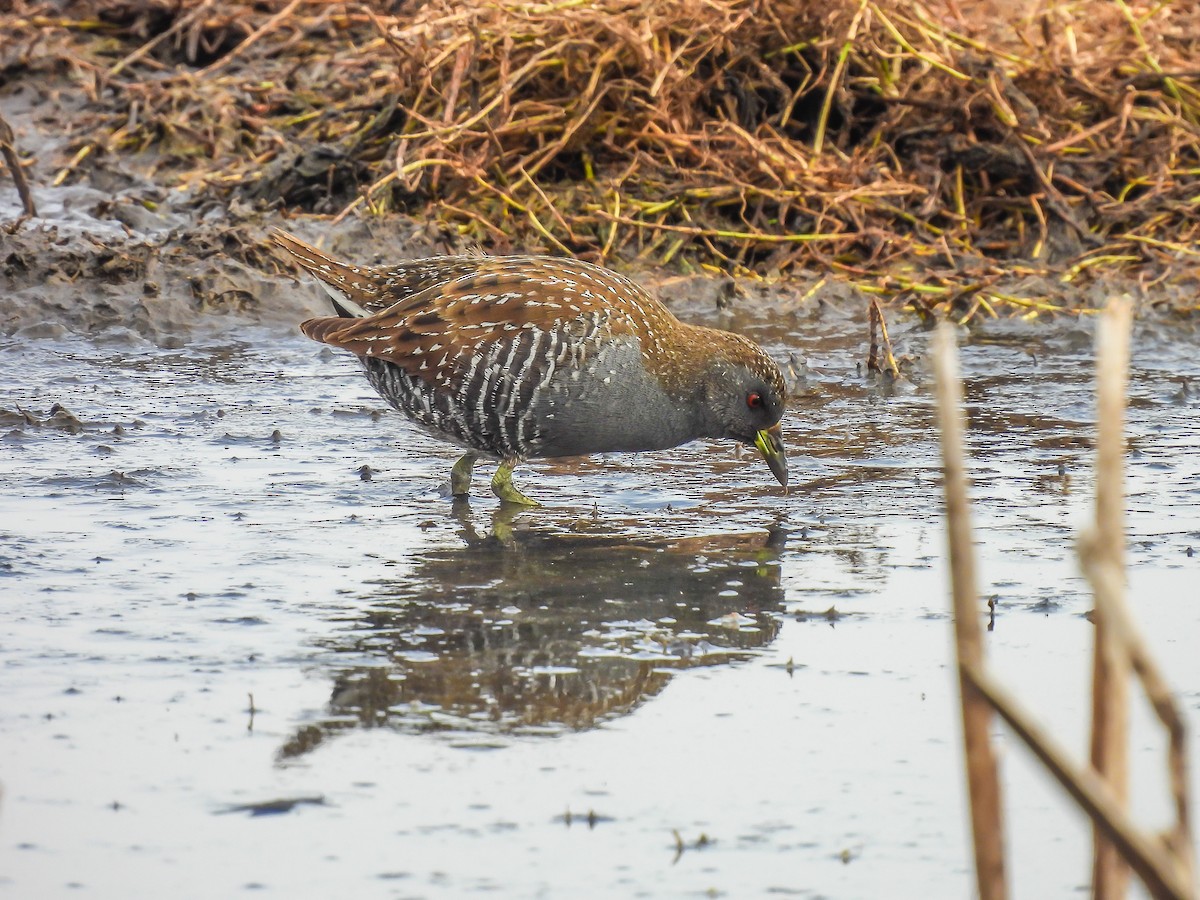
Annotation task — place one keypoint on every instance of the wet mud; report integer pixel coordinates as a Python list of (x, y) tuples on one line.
[(249, 643)]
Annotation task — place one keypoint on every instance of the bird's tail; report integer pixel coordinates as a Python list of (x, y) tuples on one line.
[(324, 329), (347, 286)]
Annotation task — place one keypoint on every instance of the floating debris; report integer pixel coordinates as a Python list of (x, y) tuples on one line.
[(273, 807)]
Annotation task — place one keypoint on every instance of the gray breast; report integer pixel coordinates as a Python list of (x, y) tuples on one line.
[(569, 391), (611, 404)]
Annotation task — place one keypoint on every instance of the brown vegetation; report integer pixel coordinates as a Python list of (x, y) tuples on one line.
[(907, 146)]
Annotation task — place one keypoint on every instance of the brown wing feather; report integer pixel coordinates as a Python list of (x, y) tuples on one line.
[(431, 317), (429, 333)]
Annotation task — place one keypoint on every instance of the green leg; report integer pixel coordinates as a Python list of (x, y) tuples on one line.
[(502, 485), (460, 475)]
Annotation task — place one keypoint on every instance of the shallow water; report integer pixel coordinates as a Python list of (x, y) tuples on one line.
[(232, 659)]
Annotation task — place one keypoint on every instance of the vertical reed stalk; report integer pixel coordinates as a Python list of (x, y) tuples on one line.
[(1111, 667), (983, 778)]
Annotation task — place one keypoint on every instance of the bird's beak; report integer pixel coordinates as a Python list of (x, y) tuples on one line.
[(770, 444)]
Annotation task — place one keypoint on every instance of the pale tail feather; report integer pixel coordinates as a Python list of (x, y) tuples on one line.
[(331, 274)]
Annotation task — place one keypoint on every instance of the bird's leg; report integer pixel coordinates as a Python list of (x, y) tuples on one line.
[(502, 485), (460, 475)]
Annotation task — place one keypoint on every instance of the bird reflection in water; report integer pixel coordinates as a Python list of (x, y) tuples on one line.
[(546, 632)]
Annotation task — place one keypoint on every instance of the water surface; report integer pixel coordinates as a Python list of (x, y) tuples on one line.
[(233, 659)]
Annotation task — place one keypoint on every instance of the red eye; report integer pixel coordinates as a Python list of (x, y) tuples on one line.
[(754, 400)]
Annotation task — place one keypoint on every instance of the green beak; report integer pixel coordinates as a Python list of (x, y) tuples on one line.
[(770, 444)]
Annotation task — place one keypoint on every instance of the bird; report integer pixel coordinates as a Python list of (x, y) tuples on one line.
[(531, 357)]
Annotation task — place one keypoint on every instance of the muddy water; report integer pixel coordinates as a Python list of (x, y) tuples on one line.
[(234, 659)]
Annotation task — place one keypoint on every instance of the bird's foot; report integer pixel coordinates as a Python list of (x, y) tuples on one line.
[(503, 488), (460, 475)]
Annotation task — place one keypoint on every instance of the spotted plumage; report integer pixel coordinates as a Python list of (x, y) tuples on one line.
[(526, 357)]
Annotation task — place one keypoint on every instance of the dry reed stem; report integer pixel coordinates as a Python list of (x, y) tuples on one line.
[(1164, 863), (1111, 669), (983, 777), (881, 358), (1149, 855), (1120, 647), (12, 159), (1178, 839)]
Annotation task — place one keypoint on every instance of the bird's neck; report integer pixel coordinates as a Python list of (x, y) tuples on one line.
[(682, 358)]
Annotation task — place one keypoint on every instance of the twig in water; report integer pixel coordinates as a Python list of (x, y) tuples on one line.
[(13, 161)]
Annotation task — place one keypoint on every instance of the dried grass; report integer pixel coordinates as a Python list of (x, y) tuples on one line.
[(919, 149)]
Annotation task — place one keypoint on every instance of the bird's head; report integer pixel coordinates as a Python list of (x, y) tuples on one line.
[(745, 394)]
